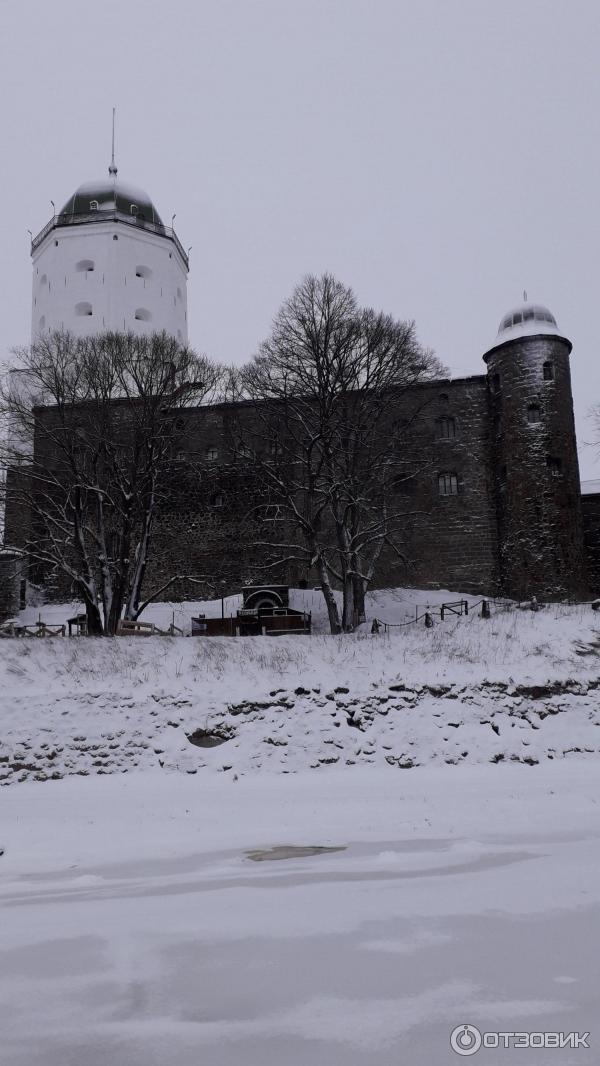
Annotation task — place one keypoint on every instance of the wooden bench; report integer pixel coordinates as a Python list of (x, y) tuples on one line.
[(129, 628), (77, 623)]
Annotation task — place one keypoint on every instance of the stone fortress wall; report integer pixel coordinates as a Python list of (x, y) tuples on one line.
[(493, 502)]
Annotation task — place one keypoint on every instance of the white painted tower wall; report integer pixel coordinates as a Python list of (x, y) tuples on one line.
[(108, 275)]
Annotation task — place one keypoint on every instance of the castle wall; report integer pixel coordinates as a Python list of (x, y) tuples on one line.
[(11, 577), (536, 469), (450, 540), (504, 521), (17, 512), (590, 505), (206, 528)]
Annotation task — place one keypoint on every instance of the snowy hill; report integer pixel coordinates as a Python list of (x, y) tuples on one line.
[(521, 686)]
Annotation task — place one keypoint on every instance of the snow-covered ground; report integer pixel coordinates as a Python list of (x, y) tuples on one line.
[(137, 930), (520, 686), (453, 773), (391, 605)]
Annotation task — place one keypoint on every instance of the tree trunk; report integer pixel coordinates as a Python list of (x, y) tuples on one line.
[(359, 598), (119, 590), (93, 619), (344, 554), (348, 621), (332, 607), (134, 595)]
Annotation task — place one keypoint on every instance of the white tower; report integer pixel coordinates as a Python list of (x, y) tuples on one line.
[(107, 262)]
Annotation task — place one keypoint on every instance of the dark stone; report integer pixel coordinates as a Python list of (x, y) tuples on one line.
[(203, 739), (355, 723), (516, 524)]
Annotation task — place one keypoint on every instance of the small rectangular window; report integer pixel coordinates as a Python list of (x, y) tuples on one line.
[(534, 413), (446, 428), (548, 370), (554, 465), (448, 484)]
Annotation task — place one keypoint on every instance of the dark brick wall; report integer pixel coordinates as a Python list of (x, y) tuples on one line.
[(590, 506), (511, 526), (10, 584), (450, 539), (17, 515), (207, 529), (536, 469)]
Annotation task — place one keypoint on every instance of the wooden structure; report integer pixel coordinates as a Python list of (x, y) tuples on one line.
[(129, 628), (38, 629), (248, 622), (79, 624), (133, 628)]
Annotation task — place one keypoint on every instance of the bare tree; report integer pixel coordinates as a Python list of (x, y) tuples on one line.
[(90, 429), (327, 387)]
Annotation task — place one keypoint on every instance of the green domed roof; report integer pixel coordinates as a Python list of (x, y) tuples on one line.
[(109, 195)]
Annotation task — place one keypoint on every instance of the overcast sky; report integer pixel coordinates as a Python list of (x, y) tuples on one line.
[(440, 156)]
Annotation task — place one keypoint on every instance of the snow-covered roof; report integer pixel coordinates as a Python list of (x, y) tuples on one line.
[(525, 321)]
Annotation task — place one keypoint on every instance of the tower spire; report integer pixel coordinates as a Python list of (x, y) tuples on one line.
[(112, 170)]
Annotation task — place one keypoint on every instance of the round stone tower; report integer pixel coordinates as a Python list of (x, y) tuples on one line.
[(535, 465), (106, 261)]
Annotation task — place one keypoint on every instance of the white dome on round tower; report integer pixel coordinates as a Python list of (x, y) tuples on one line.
[(527, 320)]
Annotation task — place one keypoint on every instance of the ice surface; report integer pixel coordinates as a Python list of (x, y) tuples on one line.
[(135, 930)]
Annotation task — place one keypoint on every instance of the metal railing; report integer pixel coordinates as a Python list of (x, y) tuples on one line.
[(455, 607), (488, 606), (138, 221)]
